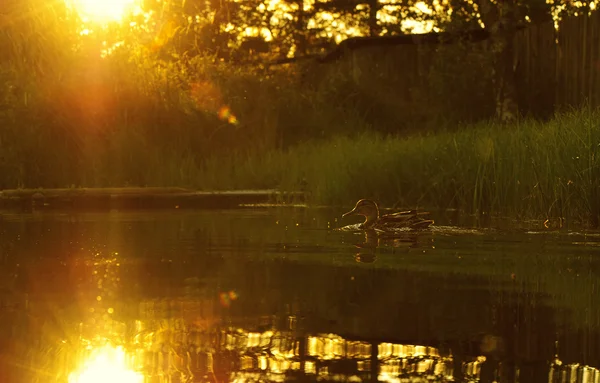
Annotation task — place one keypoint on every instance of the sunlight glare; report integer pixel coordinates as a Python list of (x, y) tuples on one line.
[(103, 11), (106, 364), (423, 8)]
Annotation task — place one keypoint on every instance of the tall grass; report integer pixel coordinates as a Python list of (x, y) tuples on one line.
[(533, 169)]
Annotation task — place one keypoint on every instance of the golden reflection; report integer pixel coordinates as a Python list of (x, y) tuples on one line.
[(389, 350), (573, 372), (106, 364), (102, 360), (327, 347), (472, 369), (400, 359), (266, 356)]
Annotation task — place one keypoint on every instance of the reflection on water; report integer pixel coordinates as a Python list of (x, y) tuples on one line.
[(275, 295), (105, 364)]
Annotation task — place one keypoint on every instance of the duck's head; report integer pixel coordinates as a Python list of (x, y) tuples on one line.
[(366, 208)]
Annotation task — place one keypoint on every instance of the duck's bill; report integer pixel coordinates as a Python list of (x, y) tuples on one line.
[(351, 212)]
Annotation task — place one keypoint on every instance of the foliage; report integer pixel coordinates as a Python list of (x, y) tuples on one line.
[(259, 29)]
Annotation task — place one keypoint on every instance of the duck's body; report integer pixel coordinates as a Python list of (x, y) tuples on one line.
[(402, 220)]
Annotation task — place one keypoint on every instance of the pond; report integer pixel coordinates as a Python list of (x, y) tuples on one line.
[(275, 294)]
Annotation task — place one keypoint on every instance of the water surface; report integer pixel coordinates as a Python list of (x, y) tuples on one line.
[(274, 294)]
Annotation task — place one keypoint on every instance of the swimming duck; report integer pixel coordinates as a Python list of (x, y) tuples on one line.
[(402, 220)]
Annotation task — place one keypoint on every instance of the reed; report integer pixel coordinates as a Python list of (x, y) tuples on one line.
[(530, 170)]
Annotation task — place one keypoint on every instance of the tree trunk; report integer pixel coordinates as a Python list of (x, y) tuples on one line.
[(300, 30), (500, 19), (373, 26)]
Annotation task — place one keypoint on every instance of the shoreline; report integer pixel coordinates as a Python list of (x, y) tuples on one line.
[(140, 198)]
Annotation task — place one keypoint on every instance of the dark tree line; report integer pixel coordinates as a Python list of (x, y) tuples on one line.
[(284, 31), (289, 30), (302, 27)]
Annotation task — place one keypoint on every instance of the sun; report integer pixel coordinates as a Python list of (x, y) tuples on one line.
[(103, 11)]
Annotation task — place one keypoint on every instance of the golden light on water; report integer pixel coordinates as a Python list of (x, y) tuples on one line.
[(106, 364), (103, 11)]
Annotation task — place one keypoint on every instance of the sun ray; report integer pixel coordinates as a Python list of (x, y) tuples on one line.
[(103, 11)]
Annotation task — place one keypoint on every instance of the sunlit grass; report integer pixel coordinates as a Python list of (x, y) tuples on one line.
[(530, 169)]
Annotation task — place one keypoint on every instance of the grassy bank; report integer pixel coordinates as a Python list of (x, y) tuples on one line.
[(154, 132), (531, 169)]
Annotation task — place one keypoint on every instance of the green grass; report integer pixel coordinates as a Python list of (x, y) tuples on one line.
[(528, 170)]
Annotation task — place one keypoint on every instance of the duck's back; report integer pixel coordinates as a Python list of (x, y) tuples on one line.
[(405, 219)]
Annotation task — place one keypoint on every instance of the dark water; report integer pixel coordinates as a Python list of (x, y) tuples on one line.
[(275, 294)]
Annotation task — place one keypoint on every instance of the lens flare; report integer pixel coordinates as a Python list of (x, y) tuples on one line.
[(227, 297), (208, 97), (106, 364), (226, 114)]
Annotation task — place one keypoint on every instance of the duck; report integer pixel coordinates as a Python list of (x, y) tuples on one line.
[(404, 220)]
